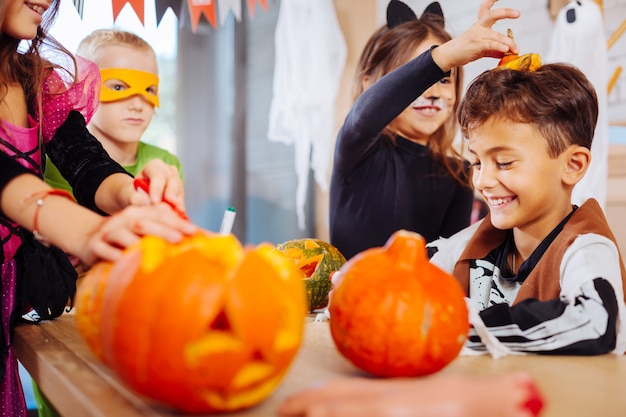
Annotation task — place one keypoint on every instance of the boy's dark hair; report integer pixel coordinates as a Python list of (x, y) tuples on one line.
[(556, 99)]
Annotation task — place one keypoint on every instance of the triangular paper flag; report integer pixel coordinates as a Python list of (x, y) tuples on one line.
[(199, 7), (163, 5), (227, 5), (80, 5), (252, 5), (137, 5)]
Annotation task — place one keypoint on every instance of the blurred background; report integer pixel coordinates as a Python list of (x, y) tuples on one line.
[(218, 87)]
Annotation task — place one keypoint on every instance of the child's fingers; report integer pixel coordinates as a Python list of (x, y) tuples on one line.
[(487, 17)]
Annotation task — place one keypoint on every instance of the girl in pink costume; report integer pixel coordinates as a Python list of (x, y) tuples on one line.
[(43, 110)]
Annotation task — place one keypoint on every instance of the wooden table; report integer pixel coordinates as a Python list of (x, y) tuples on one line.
[(78, 385)]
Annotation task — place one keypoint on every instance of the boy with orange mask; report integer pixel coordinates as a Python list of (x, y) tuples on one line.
[(129, 95), (128, 98)]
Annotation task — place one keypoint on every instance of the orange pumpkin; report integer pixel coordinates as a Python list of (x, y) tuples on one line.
[(202, 326), (394, 313), (526, 62)]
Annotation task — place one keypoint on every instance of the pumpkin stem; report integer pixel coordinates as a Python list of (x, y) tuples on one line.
[(509, 33), (406, 248)]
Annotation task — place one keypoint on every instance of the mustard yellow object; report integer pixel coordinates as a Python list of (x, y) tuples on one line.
[(137, 82), (526, 62)]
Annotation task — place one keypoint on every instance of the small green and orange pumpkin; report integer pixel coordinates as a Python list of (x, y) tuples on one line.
[(182, 323), (317, 260)]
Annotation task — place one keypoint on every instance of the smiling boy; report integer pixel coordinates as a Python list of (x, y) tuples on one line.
[(546, 276)]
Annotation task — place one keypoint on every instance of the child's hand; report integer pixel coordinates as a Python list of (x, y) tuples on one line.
[(447, 395), (479, 40), (107, 239), (163, 183)]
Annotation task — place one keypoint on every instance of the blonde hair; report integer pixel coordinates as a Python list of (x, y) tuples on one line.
[(90, 46)]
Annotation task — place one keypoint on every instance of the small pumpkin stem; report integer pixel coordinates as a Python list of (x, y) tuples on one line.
[(406, 248), (509, 33)]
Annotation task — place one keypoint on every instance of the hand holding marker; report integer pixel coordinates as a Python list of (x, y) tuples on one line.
[(142, 183), (227, 221)]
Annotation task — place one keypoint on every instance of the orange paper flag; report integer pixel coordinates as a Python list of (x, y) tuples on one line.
[(199, 7), (137, 5), (252, 5)]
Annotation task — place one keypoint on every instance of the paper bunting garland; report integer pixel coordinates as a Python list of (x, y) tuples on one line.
[(137, 5), (162, 6), (80, 6), (229, 5), (252, 4), (197, 8)]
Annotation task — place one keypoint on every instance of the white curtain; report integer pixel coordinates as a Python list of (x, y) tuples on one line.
[(310, 54)]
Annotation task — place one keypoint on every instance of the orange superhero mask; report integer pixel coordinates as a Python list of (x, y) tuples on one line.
[(136, 82)]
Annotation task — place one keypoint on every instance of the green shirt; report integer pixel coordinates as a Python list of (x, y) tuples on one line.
[(145, 153)]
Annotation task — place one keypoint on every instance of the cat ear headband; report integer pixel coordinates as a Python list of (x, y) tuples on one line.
[(399, 12)]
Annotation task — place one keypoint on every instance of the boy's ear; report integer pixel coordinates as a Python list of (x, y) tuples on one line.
[(578, 160)]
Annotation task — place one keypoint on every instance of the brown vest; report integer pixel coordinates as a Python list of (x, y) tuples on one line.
[(543, 283)]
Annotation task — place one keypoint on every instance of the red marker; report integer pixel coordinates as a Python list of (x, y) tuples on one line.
[(144, 184)]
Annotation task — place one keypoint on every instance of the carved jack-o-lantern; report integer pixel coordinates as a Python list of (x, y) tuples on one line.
[(204, 325), (317, 260)]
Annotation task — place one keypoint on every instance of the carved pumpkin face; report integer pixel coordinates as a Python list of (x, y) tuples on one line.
[(316, 260), (203, 326), (395, 314)]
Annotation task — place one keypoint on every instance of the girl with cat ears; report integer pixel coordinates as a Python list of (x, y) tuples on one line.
[(395, 165)]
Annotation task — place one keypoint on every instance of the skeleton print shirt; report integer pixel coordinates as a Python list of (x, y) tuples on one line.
[(586, 317)]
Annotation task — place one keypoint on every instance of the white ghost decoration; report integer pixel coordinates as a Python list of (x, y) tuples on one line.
[(310, 54)]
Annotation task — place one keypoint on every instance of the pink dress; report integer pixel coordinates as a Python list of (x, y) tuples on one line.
[(60, 97)]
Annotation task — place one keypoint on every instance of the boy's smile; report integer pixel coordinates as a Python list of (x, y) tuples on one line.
[(522, 184)]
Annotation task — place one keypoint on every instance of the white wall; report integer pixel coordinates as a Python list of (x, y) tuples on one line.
[(614, 15)]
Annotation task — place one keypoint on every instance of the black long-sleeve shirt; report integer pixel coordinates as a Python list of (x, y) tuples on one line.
[(79, 156), (377, 187)]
